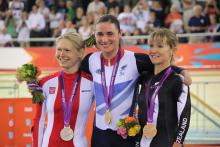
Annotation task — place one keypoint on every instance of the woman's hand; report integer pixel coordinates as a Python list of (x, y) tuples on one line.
[(186, 77), (33, 86), (36, 92)]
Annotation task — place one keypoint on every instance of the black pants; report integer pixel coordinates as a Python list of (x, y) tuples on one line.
[(110, 138)]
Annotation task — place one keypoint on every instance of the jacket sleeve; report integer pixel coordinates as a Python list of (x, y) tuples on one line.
[(38, 125), (85, 64), (86, 100), (143, 63), (183, 111), (38, 122), (177, 69)]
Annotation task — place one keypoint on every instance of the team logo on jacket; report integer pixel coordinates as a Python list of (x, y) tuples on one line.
[(52, 90), (122, 70)]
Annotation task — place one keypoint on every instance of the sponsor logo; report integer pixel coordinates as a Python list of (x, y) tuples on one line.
[(86, 90), (52, 90)]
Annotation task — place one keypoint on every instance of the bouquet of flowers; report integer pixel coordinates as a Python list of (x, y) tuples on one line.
[(29, 73), (129, 126)]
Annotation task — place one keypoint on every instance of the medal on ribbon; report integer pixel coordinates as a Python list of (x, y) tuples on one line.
[(108, 93), (67, 133), (150, 130), (108, 117)]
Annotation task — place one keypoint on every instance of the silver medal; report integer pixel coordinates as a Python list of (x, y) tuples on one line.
[(66, 134)]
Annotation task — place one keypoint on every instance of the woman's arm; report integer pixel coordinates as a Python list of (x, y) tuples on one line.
[(144, 64), (85, 105), (85, 64), (183, 111), (186, 78), (39, 118), (38, 125)]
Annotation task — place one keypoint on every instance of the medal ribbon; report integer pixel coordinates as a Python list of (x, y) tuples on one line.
[(150, 109), (67, 108), (108, 95)]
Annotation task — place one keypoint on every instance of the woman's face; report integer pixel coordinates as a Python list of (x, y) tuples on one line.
[(160, 52), (107, 37), (67, 56)]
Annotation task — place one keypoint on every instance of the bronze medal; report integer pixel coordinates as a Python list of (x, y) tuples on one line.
[(149, 130), (108, 117), (66, 134)]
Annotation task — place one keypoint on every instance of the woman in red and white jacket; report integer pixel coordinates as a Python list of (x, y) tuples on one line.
[(68, 98)]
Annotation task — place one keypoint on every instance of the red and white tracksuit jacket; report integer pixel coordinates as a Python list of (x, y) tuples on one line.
[(49, 134)]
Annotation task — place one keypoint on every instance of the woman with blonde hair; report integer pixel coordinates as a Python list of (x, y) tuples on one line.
[(68, 97), (164, 100)]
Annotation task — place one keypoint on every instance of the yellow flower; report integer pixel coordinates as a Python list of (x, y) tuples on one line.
[(132, 132), (131, 124), (137, 128)]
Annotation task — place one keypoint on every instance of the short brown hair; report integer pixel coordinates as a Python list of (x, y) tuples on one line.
[(109, 18), (163, 34)]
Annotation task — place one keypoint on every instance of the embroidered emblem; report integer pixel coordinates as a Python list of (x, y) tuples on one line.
[(124, 67), (122, 70)]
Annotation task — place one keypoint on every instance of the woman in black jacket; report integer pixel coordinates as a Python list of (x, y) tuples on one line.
[(163, 100)]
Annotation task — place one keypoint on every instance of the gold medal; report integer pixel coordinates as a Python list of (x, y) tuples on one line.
[(108, 117), (66, 134), (149, 130)]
